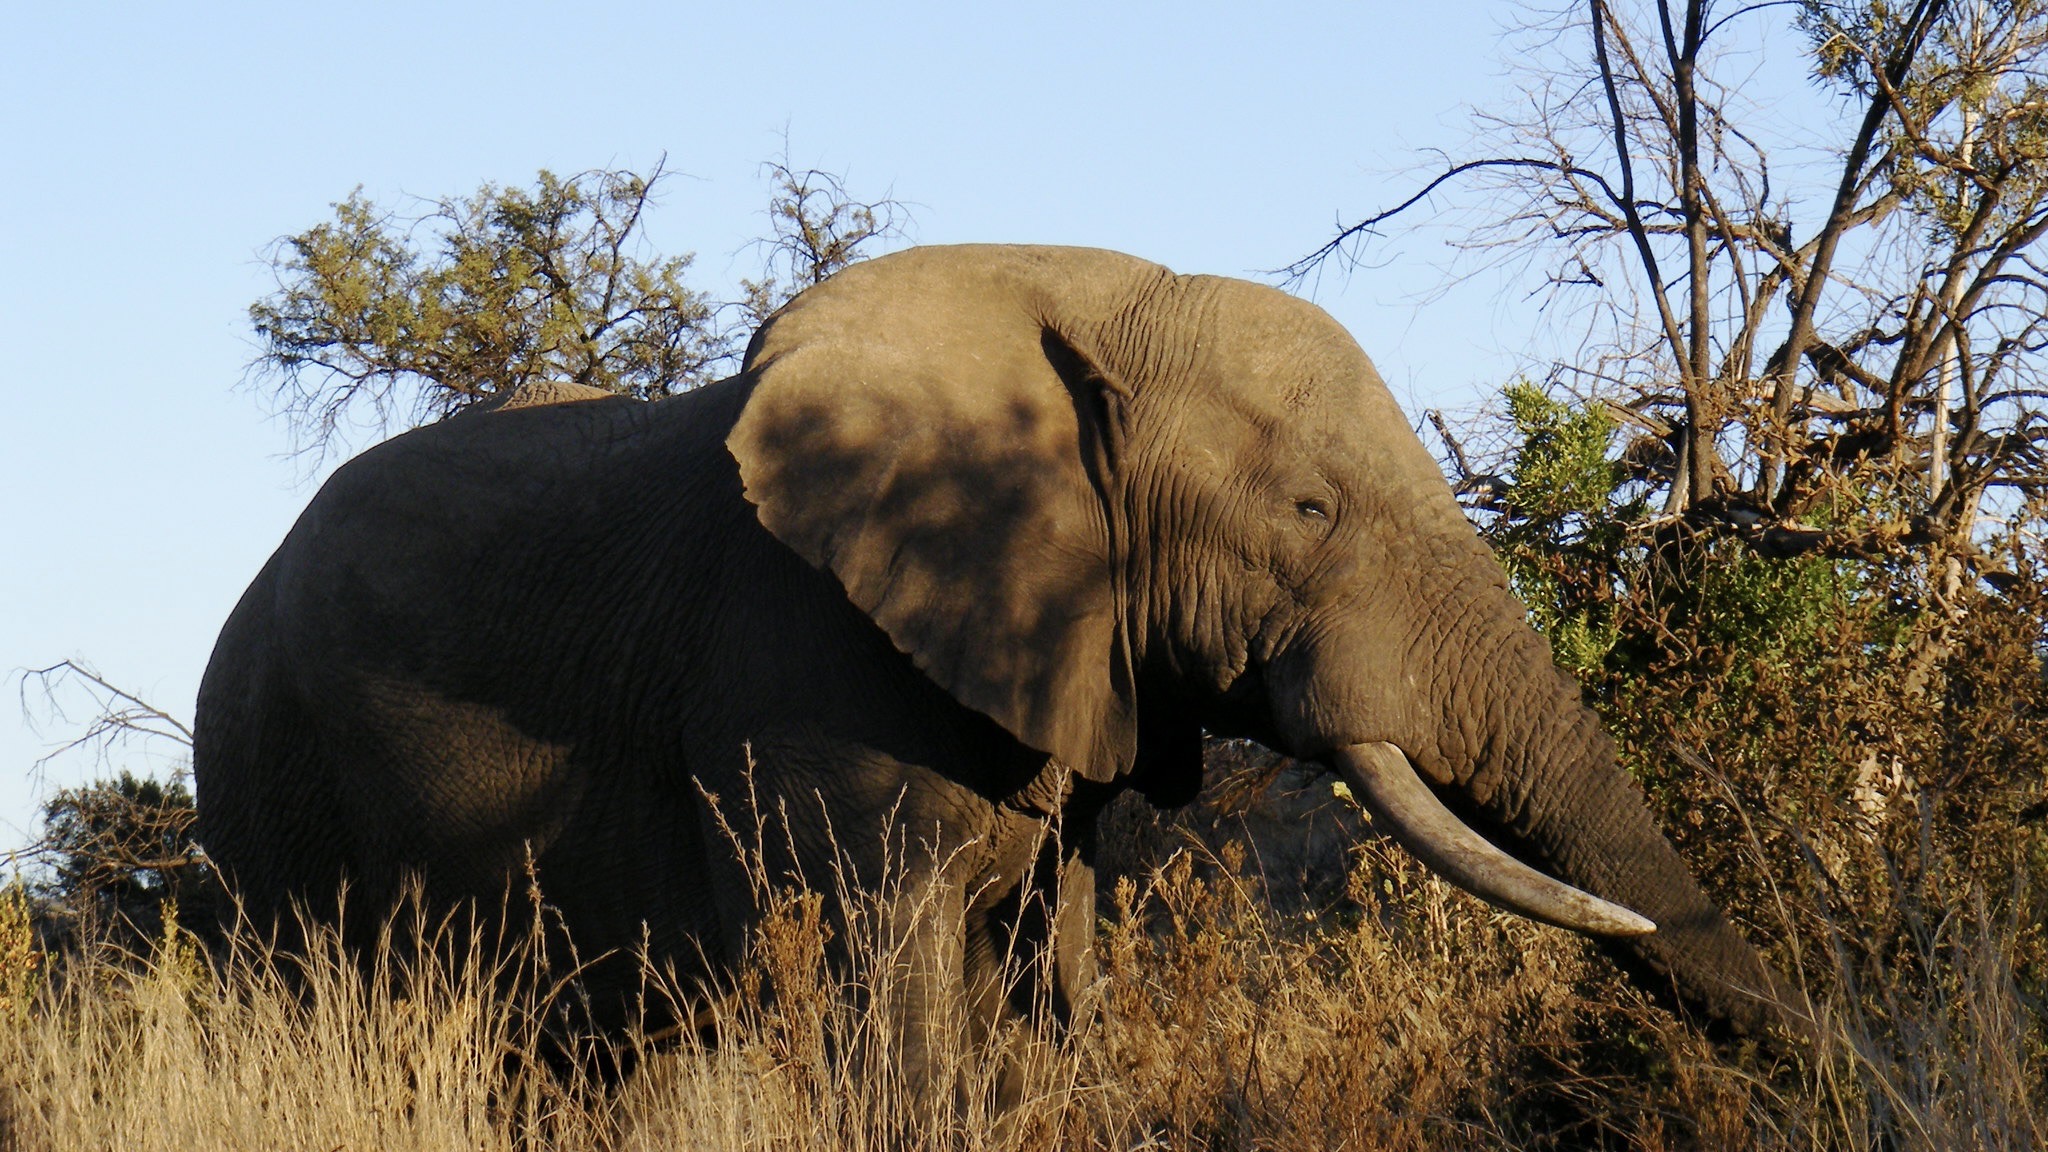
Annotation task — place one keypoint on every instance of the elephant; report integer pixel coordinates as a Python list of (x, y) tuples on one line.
[(976, 538)]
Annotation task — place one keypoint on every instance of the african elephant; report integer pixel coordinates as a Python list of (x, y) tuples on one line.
[(977, 538)]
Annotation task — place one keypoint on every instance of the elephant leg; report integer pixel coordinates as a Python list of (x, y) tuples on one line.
[(1030, 961), (1073, 937), (923, 990), (1002, 966)]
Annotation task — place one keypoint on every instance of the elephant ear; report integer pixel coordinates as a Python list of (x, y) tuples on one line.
[(918, 428)]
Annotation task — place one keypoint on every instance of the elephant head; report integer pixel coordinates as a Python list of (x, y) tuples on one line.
[(1110, 506)]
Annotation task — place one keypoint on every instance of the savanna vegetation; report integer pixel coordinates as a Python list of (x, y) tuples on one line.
[(1778, 507)]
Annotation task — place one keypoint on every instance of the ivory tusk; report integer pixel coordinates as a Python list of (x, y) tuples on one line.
[(1386, 783)]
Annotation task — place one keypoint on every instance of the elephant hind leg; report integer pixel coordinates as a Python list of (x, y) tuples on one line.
[(267, 817)]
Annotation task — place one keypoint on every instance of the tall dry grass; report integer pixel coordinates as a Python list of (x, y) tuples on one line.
[(1400, 1014)]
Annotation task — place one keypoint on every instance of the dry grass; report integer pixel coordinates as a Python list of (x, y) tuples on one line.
[(1402, 1015)]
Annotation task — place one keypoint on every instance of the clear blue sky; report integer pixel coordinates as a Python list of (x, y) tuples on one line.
[(150, 152)]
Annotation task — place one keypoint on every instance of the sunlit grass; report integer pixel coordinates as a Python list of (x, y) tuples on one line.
[(1405, 1015)]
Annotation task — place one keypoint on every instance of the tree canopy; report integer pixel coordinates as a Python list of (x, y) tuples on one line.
[(381, 315)]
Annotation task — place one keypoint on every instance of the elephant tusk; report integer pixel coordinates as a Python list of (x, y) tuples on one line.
[(1387, 784)]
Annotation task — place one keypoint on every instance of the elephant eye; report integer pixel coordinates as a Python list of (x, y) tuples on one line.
[(1313, 508)]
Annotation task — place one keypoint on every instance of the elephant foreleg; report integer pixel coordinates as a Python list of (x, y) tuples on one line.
[(920, 1007), (1030, 960), (1073, 937)]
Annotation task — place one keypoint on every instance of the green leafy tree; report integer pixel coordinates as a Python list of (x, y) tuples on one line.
[(127, 839), (380, 316), (1560, 525), (1574, 522)]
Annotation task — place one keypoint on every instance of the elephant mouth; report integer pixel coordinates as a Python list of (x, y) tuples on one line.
[(1382, 778)]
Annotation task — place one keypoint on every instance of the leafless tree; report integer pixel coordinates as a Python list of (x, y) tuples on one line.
[(1841, 354), (119, 716)]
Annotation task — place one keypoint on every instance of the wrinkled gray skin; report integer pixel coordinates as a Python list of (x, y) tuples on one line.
[(977, 538)]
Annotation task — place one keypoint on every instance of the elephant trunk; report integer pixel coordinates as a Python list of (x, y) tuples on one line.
[(1581, 818), (1554, 789), (1514, 749)]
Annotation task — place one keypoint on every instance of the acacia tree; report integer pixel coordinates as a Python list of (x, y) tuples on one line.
[(1847, 362), (383, 315)]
